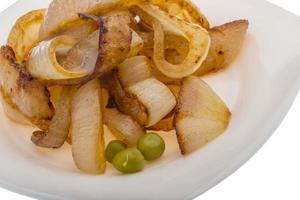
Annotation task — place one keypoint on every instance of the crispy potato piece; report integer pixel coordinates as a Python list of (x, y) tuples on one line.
[(26, 93), (25, 33), (226, 43), (201, 115)]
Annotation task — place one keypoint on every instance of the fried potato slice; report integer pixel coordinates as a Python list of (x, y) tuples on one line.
[(201, 115), (27, 94), (25, 33), (226, 43)]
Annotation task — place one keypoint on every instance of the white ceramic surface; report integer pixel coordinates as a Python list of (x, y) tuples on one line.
[(259, 88)]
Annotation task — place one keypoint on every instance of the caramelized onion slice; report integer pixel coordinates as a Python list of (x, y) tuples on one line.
[(26, 94), (136, 78), (199, 46), (43, 63), (179, 30), (158, 103), (57, 133), (126, 102), (134, 70), (87, 129), (62, 15), (83, 55), (184, 9), (167, 124), (25, 33), (122, 126)]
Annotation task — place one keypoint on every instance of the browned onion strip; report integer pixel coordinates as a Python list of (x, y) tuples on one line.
[(24, 34), (165, 26), (83, 56), (115, 42), (122, 126), (138, 83), (126, 102), (197, 54), (57, 133), (26, 94)]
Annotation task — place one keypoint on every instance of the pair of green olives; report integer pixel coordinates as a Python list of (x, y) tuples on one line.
[(130, 160)]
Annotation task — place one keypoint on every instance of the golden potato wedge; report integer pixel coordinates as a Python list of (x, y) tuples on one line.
[(25, 33), (25, 93), (226, 43), (201, 115)]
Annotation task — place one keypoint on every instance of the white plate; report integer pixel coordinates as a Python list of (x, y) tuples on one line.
[(259, 88)]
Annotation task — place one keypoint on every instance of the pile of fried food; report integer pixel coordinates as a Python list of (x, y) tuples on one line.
[(133, 66)]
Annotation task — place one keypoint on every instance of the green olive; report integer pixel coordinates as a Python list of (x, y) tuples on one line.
[(113, 148), (151, 145), (129, 161)]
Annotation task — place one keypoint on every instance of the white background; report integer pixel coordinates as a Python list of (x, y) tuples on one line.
[(273, 173)]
